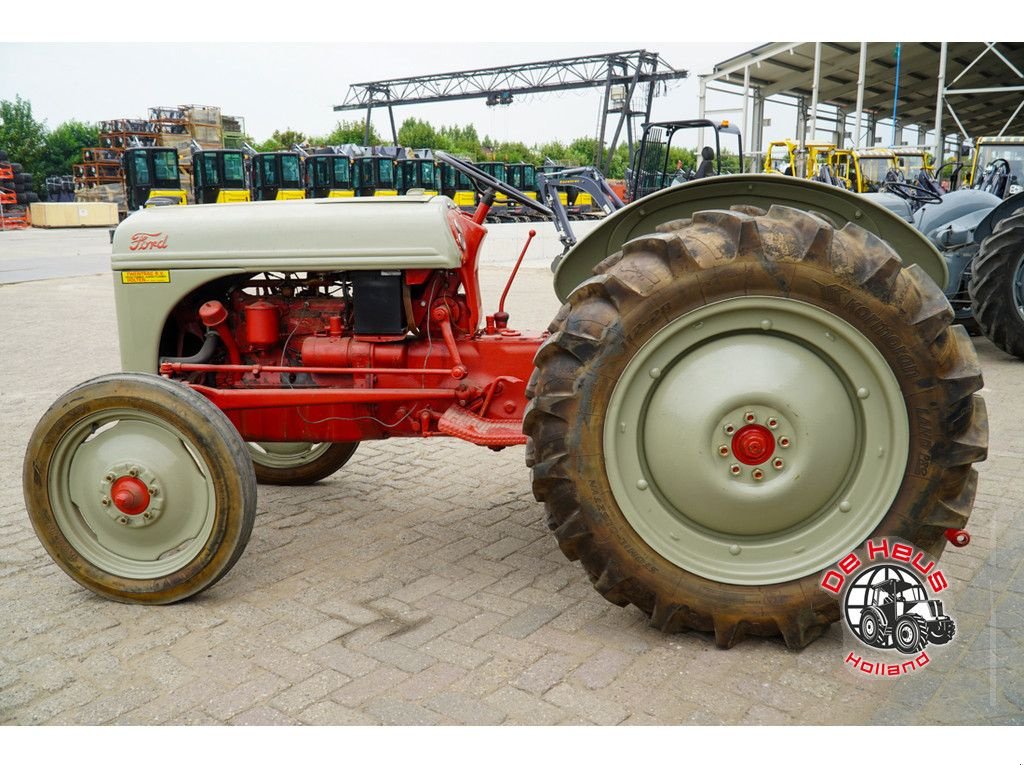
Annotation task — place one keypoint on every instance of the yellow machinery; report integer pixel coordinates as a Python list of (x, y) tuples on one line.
[(329, 174), (790, 159), (151, 174), (780, 157), (218, 175), (374, 175), (419, 173), (913, 160), (989, 150), (864, 170), (276, 175)]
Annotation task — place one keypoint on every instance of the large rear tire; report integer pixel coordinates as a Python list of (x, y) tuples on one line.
[(140, 489), (997, 285), (733, 404), (298, 463)]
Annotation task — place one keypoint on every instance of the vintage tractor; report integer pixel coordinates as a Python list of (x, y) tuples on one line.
[(981, 236), (899, 613), (749, 377)]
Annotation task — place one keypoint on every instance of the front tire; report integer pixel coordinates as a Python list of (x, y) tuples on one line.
[(139, 488), (943, 635), (783, 324), (871, 631), (997, 285), (910, 634)]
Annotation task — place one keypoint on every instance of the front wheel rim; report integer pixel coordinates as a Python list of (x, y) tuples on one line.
[(743, 516), (144, 518)]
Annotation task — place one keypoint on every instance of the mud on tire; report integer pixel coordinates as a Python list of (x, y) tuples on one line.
[(698, 265), (997, 286)]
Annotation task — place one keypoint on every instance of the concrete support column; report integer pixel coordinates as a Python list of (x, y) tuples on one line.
[(757, 132), (702, 102), (940, 95), (744, 124), (839, 135), (858, 134), (814, 91)]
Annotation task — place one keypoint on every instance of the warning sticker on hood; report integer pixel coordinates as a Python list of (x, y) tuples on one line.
[(146, 276)]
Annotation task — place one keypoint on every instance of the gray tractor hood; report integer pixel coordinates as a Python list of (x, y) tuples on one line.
[(409, 232)]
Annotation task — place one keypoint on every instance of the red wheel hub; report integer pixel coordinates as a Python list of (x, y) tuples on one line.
[(130, 495), (753, 444)]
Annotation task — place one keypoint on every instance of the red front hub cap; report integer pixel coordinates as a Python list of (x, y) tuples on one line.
[(130, 495), (753, 444)]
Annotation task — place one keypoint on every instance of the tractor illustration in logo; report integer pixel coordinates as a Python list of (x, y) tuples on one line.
[(888, 607)]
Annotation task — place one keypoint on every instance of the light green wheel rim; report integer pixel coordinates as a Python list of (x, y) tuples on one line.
[(287, 455), (101, 446), (826, 395)]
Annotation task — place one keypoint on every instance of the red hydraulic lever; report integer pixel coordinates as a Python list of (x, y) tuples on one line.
[(501, 316)]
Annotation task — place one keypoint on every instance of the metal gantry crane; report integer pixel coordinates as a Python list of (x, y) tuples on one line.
[(629, 80)]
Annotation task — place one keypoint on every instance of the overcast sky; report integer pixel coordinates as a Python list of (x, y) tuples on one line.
[(294, 85), (276, 85)]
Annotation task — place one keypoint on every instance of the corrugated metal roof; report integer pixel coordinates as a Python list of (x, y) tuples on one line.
[(789, 69)]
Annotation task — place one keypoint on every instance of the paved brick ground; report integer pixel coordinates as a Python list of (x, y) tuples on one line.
[(420, 585)]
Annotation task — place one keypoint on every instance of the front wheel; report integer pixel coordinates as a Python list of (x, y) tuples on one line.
[(298, 463), (732, 405), (871, 630), (942, 634), (140, 489), (910, 634)]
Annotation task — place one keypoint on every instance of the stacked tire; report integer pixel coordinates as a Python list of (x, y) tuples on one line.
[(21, 183), (17, 193)]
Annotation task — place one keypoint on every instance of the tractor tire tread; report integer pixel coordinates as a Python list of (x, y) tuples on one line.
[(781, 242), (991, 288)]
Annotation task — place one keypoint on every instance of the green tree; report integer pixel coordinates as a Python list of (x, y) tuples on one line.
[(417, 134), (460, 140), (554, 151), (582, 151), (270, 145), (21, 135), (286, 138), (351, 132), (515, 152), (62, 148), (620, 162), (278, 140)]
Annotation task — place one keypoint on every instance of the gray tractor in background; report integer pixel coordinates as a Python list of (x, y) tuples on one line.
[(979, 230)]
